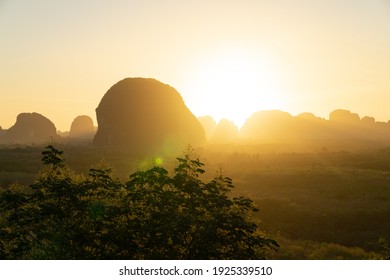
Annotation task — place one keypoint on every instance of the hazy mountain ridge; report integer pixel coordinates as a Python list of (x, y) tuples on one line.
[(143, 114), (274, 126)]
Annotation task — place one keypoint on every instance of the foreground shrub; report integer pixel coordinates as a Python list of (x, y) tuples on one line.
[(155, 215)]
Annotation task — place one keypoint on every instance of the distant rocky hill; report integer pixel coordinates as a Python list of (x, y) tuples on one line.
[(82, 128), (225, 132), (29, 128), (342, 126), (145, 115), (209, 125), (267, 125)]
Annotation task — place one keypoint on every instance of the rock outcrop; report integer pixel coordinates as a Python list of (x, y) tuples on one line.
[(30, 128), (344, 116), (208, 124), (225, 132), (268, 125), (82, 128), (145, 115)]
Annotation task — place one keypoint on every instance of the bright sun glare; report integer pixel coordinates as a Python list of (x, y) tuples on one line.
[(235, 84)]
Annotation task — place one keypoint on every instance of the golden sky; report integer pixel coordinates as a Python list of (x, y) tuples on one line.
[(227, 58)]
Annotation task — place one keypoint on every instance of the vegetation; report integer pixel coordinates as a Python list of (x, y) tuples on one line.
[(294, 249), (325, 204), (155, 215), (316, 198)]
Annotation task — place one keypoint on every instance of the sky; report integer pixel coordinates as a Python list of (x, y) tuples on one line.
[(226, 58)]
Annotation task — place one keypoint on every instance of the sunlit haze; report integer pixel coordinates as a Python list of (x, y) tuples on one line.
[(227, 59), (233, 82)]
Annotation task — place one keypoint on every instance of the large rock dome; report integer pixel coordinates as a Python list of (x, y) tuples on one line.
[(30, 128), (82, 127), (145, 115)]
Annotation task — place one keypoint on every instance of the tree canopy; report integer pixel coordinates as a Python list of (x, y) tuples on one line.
[(157, 214)]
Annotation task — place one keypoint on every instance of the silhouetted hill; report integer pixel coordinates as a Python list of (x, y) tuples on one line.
[(225, 132), (343, 127), (208, 124), (368, 120), (82, 127), (30, 128), (344, 116), (144, 115), (268, 126)]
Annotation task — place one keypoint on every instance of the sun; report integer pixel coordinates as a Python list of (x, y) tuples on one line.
[(234, 84)]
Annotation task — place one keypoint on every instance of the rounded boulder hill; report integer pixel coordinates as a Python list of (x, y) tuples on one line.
[(31, 128), (145, 115), (82, 127)]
